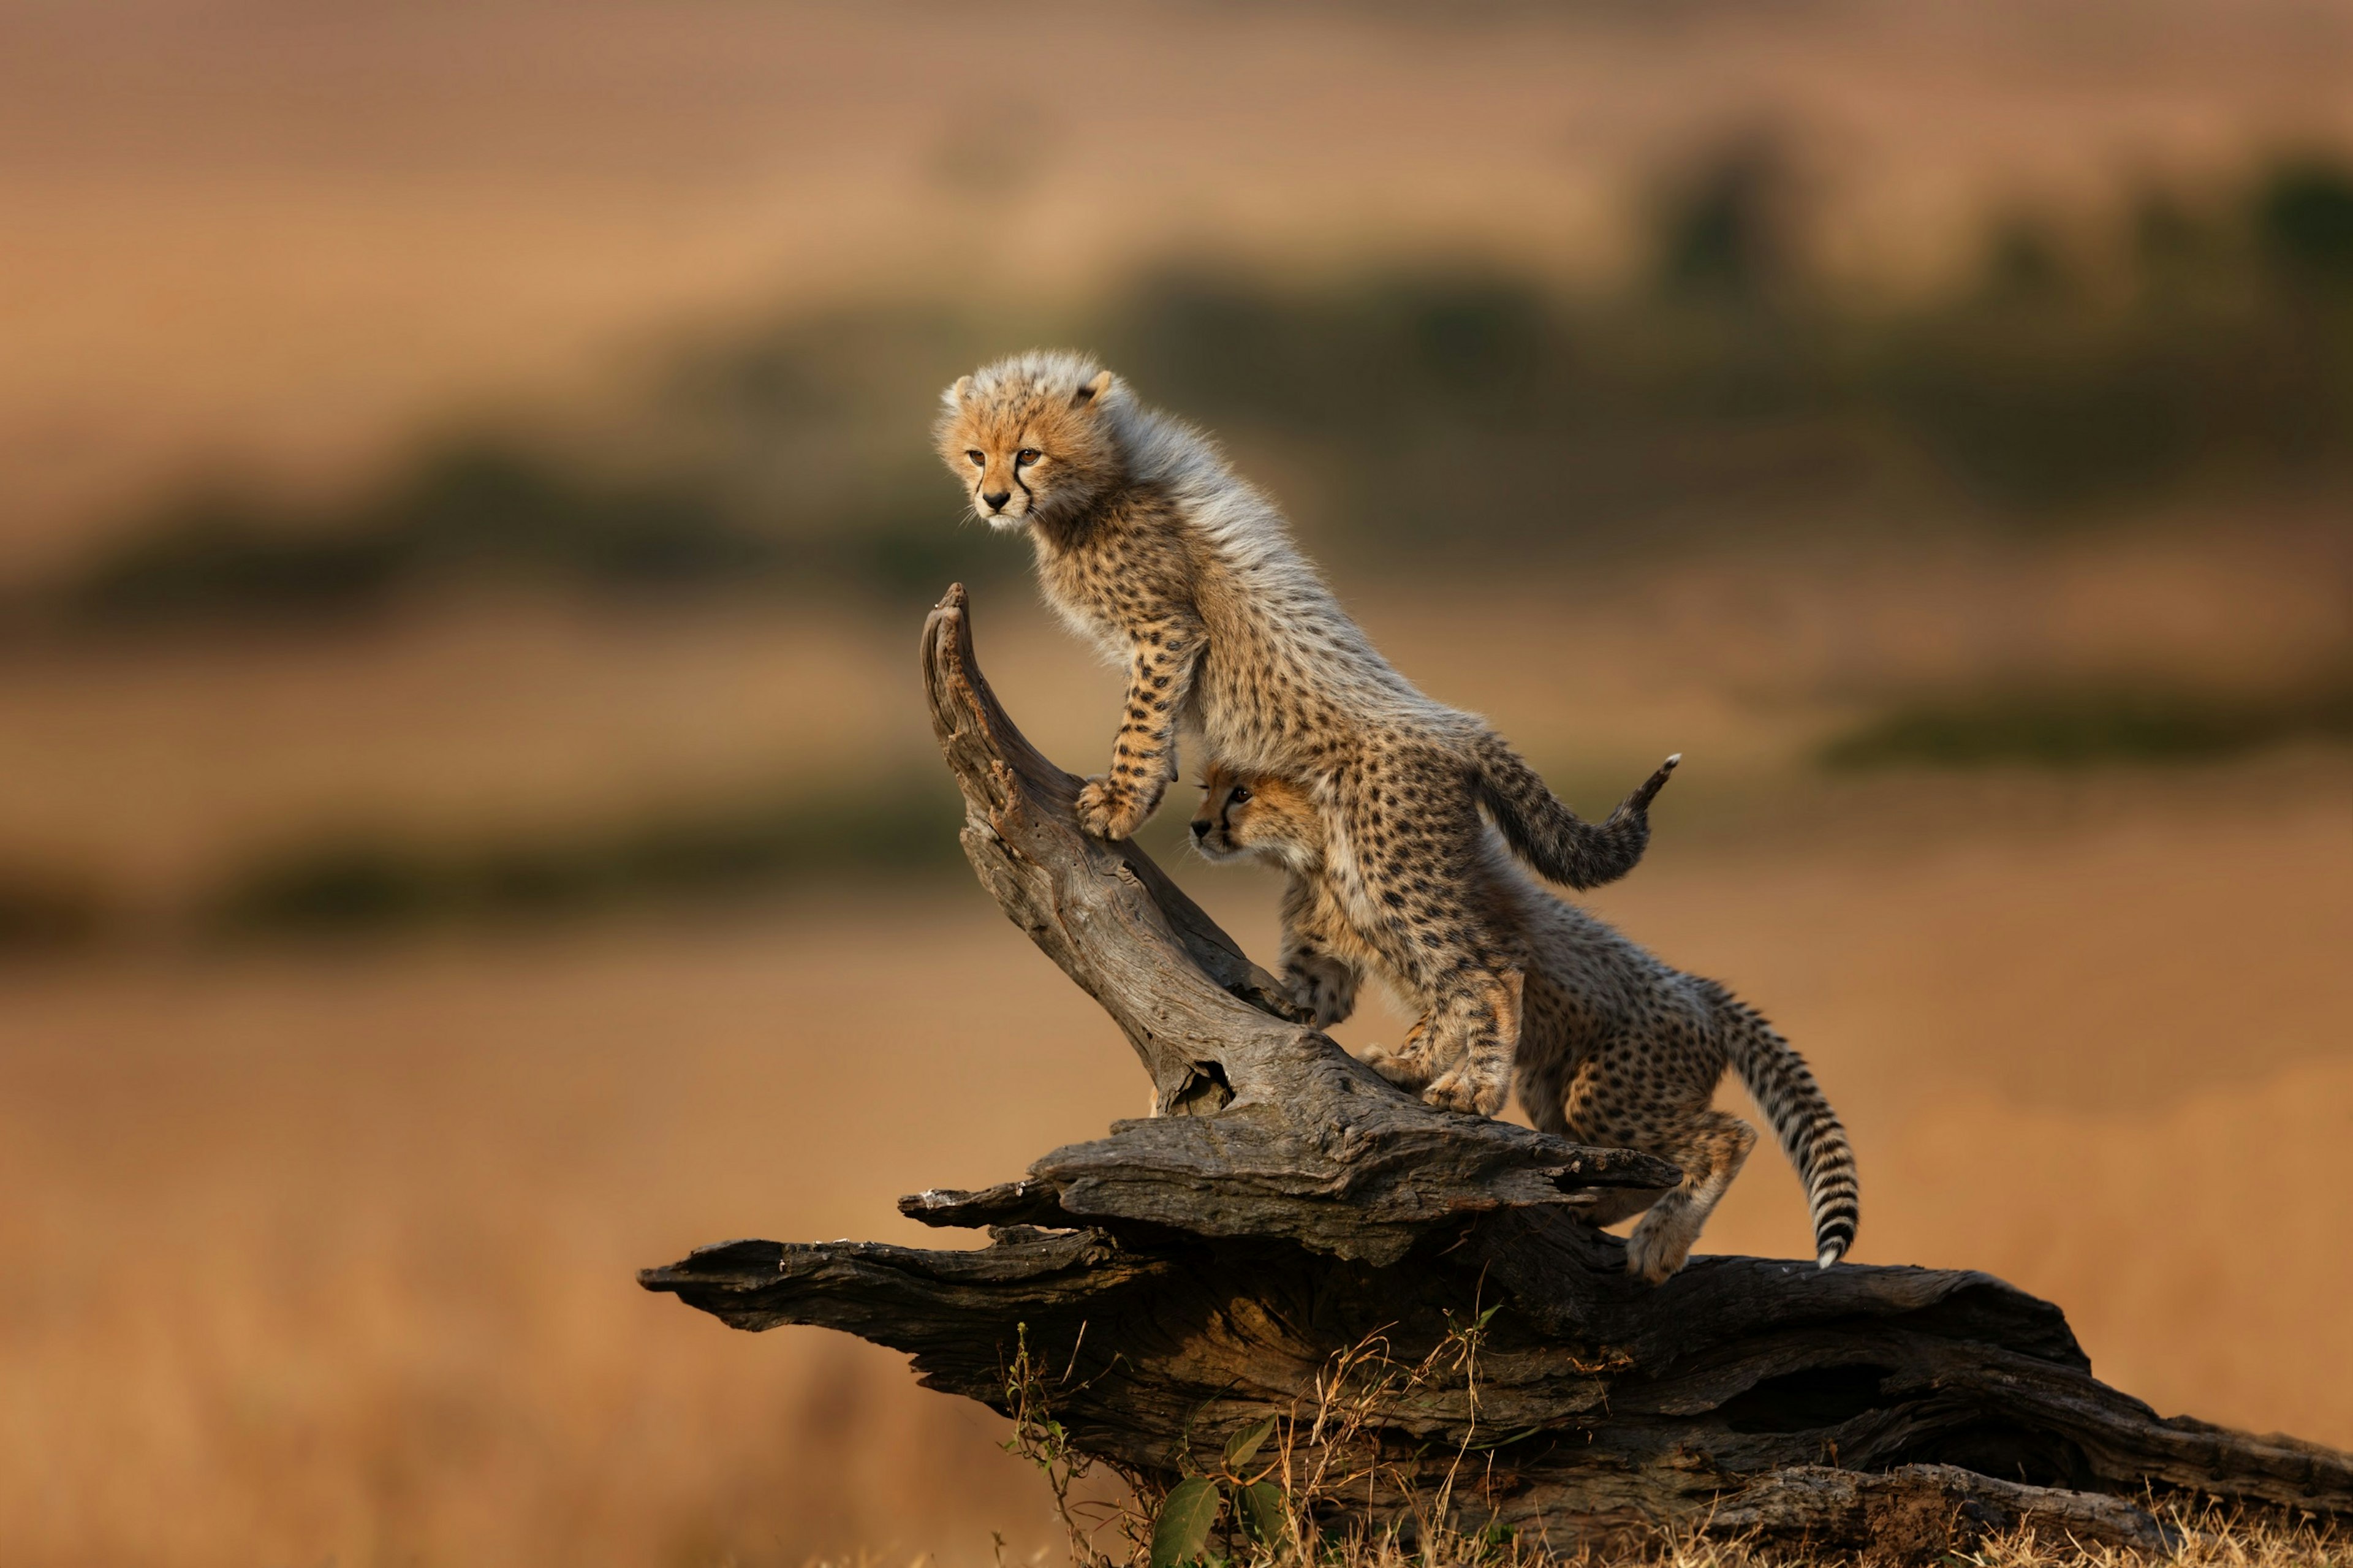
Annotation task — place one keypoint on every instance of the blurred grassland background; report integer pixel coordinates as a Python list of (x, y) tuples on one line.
[(470, 829)]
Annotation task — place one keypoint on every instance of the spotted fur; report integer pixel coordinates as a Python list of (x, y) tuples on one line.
[(1614, 1047), (1150, 545)]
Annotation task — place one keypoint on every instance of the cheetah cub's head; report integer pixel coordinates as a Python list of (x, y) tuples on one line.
[(1257, 815), (1032, 438)]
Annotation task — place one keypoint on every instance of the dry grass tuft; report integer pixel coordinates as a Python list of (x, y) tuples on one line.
[(2211, 1542)]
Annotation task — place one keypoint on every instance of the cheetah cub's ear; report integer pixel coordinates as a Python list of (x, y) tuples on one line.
[(960, 394), (1092, 392)]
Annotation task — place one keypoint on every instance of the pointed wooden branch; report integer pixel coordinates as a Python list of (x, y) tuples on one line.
[(1195, 1272)]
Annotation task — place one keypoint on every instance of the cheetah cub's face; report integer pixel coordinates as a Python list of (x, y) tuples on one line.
[(1257, 815), (1029, 438)]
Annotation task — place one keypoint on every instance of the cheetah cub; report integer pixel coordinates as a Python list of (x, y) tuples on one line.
[(1148, 545), (1615, 1049)]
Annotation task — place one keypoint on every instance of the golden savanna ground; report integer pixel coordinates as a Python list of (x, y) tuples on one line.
[(316, 1256)]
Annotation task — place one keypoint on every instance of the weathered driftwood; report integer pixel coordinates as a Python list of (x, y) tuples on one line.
[(1192, 1273)]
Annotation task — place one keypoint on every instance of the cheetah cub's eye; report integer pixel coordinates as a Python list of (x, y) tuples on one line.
[(1026, 455), (978, 459), (1241, 795)]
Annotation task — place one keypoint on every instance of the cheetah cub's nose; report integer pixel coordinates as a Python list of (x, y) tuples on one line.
[(995, 501), (1200, 830)]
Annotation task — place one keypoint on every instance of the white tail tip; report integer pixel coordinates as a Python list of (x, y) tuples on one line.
[(1829, 1255)]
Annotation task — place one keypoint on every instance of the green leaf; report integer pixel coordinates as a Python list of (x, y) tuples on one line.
[(1181, 1533), (1264, 1514), (1244, 1445)]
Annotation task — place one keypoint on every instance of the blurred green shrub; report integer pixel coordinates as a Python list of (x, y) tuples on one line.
[(2303, 217), (2075, 728), (46, 911), (359, 882), (486, 512), (472, 511)]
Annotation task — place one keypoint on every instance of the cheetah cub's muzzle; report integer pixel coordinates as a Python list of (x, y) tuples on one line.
[(1265, 815), (1213, 834)]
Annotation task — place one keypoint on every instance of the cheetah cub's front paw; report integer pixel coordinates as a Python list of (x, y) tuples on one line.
[(1108, 810), (1466, 1090)]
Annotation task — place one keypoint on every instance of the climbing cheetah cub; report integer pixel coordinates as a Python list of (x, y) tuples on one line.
[(1148, 545), (1615, 1049)]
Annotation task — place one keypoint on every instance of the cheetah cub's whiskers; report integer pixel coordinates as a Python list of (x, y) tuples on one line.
[(1149, 545), (1614, 1047)]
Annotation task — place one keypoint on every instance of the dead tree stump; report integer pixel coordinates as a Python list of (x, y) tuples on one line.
[(1195, 1270)]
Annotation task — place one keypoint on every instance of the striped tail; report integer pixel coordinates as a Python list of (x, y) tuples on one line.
[(1804, 1122), (1555, 840)]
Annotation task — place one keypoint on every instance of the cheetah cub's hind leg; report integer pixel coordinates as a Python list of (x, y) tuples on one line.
[(1401, 1068), (1408, 1066), (1711, 1152), (1321, 971)]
